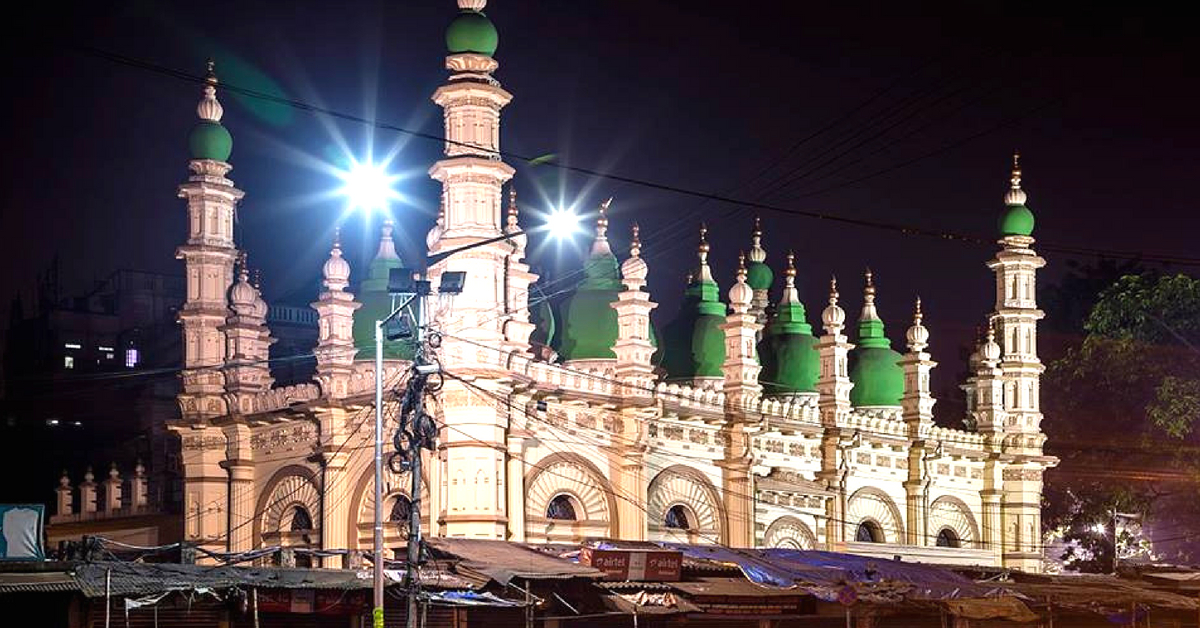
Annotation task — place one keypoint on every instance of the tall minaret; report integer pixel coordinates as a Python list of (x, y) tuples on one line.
[(1016, 317), (834, 387), (208, 257), (473, 445), (335, 323), (472, 176), (517, 279)]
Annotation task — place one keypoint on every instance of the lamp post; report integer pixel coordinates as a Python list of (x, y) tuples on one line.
[(368, 187)]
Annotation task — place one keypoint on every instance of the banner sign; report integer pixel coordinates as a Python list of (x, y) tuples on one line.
[(21, 531), (644, 565)]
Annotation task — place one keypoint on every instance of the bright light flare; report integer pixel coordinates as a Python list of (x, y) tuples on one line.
[(1099, 528), (562, 224), (368, 187)]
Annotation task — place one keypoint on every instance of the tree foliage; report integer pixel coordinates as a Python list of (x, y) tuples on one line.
[(1123, 405)]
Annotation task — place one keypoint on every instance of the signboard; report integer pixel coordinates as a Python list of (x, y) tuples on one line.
[(21, 531), (643, 565)]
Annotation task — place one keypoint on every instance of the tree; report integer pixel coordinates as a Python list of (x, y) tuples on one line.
[(1123, 406)]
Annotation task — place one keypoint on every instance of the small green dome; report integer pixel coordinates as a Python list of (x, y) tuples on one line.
[(787, 351), (542, 316), (874, 368), (1016, 220), (759, 276), (473, 32), (695, 340), (210, 140)]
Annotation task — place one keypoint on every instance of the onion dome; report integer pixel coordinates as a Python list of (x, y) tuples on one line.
[(634, 269), (260, 304), (377, 303), (989, 351), (208, 139), (589, 322), (788, 351), (1016, 219), (758, 274), (695, 340), (336, 269), (833, 317), (242, 295), (918, 335), (874, 365), (741, 294), (471, 31)]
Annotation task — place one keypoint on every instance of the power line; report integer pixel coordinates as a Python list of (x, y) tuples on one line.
[(900, 228)]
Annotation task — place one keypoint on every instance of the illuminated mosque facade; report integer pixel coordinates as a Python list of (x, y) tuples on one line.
[(748, 420)]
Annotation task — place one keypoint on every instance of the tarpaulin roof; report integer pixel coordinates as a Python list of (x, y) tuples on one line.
[(120, 578), (824, 574), (502, 561), (45, 582)]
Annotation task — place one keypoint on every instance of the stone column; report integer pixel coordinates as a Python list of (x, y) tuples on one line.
[(833, 388), (87, 493), (742, 394), (64, 506), (137, 487), (112, 490)]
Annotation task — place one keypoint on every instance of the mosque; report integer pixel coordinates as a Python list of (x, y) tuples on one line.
[(744, 421)]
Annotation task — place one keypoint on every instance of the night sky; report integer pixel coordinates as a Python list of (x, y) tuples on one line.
[(1101, 102)]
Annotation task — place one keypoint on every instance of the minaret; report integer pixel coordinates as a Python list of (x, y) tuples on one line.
[(742, 393), (472, 448), (1016, 316), (633, 347), (918, 399), (208, 257), (759, 277), (517, 279), (989, 419), (335, 324), (833, 402), (917, 404), (247, 370), (472, 175)]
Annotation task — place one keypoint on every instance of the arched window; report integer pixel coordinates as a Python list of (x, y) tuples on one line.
[(869, 532), (677, 517), (948, 538), (561, 508), (401, 510), (301, 521)]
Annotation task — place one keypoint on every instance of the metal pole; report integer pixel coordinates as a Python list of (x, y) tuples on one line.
[(1114, 558), (414, 513), (377, 614)]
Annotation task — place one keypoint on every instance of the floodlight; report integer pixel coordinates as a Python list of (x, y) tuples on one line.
[(562, 223), (368, 186), (452, 282), (401, 281)]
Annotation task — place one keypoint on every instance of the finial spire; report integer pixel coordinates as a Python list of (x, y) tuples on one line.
[(512, 208), (210, 108), (989, 353), (258, 279), (868, 312), (757, 252), (741, 294), (834, 317), (600, 244), (387, 246), (705, 273), (1015, 195), (336, 269), (789, 281), (635, 246), (918, 335)]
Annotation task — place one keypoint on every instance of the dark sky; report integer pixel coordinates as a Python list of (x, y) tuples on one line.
[(1101, 101)]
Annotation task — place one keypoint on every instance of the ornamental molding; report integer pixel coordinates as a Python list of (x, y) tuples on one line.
[(1022, 474)]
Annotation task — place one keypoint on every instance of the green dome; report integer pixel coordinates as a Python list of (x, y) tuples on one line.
[(695, 340), (1016, 220), (589, 323), (874, 368), (788, 353), (210, 140), (542, 316), (472, 31), (376, 304), (759, 276)]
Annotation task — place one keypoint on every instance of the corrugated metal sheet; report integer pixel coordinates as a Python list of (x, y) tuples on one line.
[(502, 561), (47, 582)]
